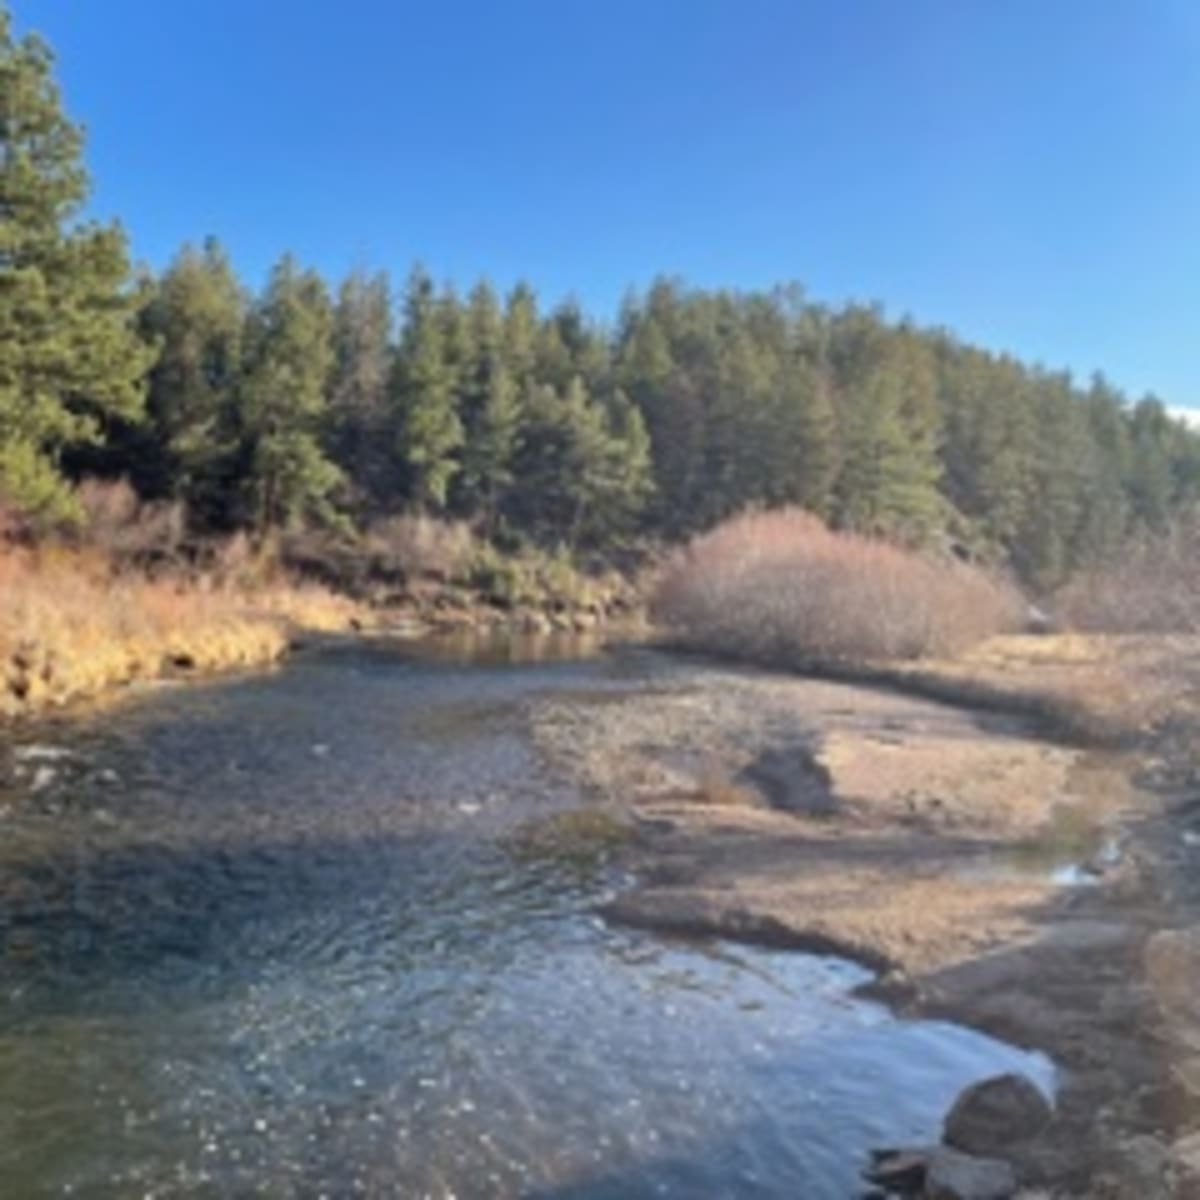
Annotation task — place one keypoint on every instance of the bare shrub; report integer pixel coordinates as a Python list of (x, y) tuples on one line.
[(1152, 586), (15, 525), (421, 546), (117, 523), (782, 587)]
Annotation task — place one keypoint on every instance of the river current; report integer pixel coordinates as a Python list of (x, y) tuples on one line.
[(266, 937)]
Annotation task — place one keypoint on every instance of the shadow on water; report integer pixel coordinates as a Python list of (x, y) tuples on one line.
[(72, 924)]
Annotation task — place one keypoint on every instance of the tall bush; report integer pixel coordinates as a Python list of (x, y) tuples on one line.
[(782, 587)]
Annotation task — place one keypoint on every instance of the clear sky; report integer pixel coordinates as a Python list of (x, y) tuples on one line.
[(1026, 172)]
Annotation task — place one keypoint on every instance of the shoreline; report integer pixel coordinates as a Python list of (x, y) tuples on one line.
[(912, 848), (64, 658), (908, 835)]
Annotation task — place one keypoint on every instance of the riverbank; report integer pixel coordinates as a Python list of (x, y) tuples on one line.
[(77, 624), (74, 628), (991, 870)]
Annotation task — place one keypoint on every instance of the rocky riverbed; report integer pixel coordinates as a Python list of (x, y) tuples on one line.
[(334, 929)]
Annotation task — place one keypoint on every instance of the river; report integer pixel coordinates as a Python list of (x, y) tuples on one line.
[(265, 937)]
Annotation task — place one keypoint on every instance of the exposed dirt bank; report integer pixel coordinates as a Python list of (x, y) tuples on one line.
[(989, 874)]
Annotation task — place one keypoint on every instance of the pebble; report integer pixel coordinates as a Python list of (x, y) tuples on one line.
[(37, 753), (43, 777)]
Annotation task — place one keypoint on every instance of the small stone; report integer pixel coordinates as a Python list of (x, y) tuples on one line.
[(899, 1170), (1139, 1164), (955, 1176), (1172, 960), (1185, 1163), (43, 777), (894, 987), (37, 753), (994, 1114)]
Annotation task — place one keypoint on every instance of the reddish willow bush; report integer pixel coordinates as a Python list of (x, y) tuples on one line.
[(781, 587)]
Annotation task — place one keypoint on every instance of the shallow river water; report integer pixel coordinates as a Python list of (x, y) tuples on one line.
[(263, 938)]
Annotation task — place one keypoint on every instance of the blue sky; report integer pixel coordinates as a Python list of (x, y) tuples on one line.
[(1026, 172)]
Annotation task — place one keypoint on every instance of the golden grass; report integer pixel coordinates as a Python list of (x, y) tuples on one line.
[(71, 625), (1090, 688)]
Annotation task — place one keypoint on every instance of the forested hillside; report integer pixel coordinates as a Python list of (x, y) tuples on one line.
[(335, 403)]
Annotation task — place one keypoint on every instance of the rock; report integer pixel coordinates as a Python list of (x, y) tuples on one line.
[(42, 754), (955, 1176), (1038, 621), (1139, 1165), (1172, 960), (792, 780), (1186, 1073), (43, 777), (992, 1115), (1184, 1167), (900, 1171), (895, 987)]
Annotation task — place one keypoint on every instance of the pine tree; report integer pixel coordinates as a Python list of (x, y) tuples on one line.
[(195, 316), (358, 391), (70, 358), (1047, 547), (888, 484), (1150, 481), (521, 335), (490, 411), (281, 403), (806, 439), (430, 432), (629, 483), (669, 397)]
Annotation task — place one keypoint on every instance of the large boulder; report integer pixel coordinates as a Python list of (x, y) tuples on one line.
[(954, 1176), (989, 1117)]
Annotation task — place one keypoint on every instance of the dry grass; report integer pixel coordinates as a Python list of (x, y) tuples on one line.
[(72, 624), (782, 588), (716, 787), (1153, 586), (1091, 689)]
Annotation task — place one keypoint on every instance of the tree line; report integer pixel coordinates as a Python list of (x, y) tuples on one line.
[(305, 404)]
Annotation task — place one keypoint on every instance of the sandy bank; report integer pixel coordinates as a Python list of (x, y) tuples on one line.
[(930, 842)]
